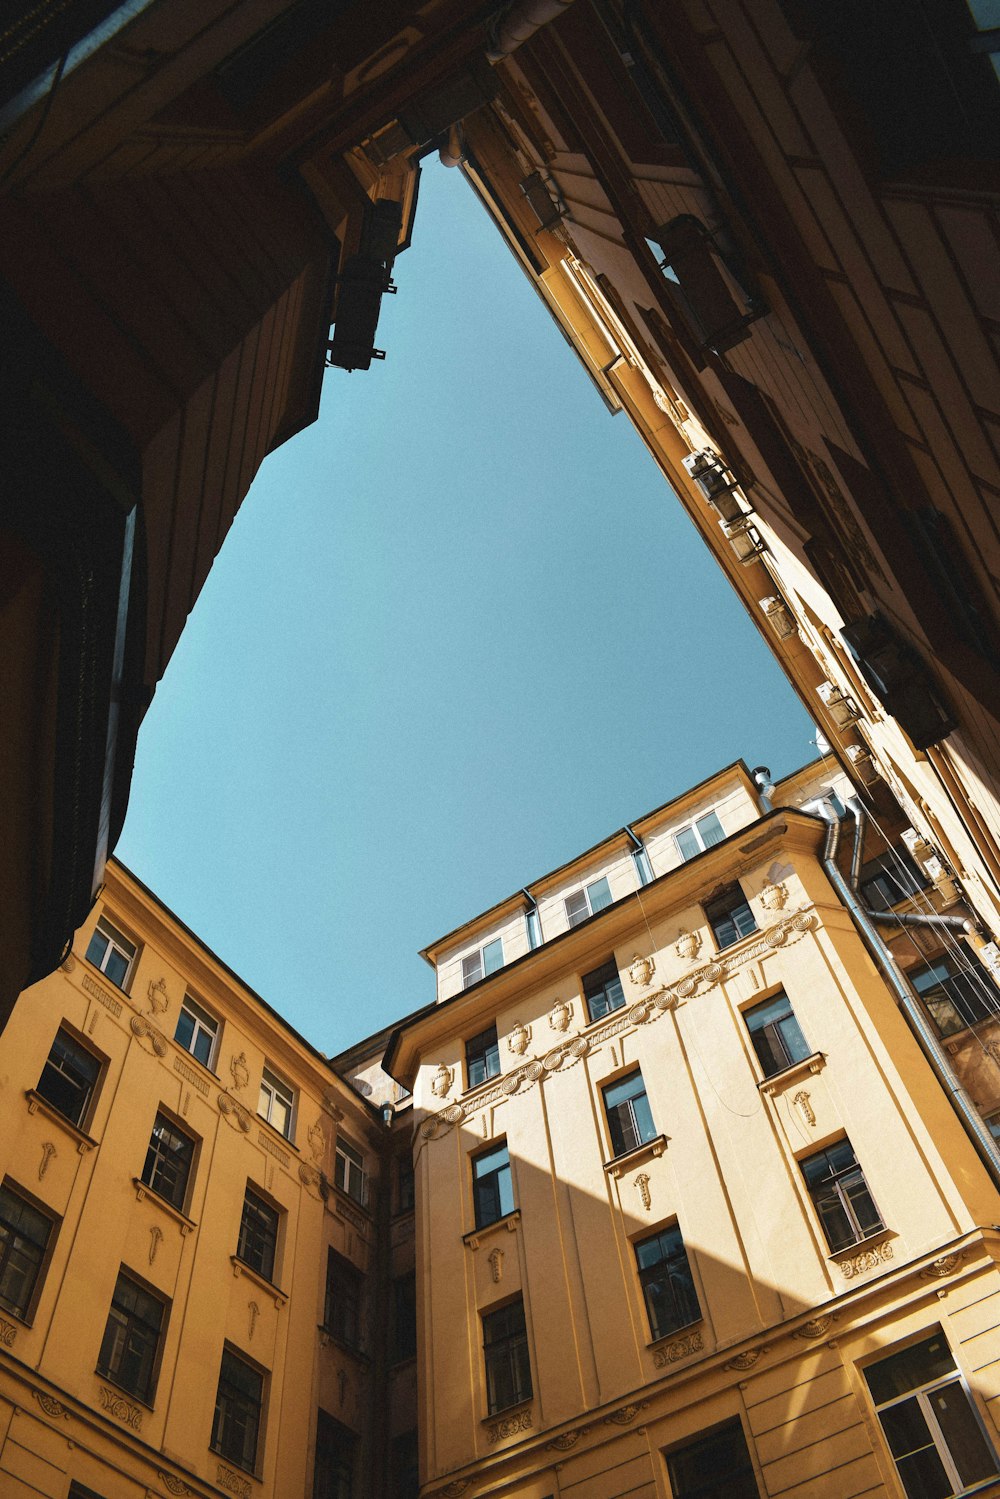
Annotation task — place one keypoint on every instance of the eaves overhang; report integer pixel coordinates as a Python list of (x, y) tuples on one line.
[(588, 943)]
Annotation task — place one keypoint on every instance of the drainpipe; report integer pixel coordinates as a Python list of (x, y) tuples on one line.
[(516, 23), (909, 1003), (960, 924)]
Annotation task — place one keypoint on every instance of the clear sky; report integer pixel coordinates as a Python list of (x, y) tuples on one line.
[(460, 631)]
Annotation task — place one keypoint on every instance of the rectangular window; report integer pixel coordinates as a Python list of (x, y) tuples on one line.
[(24, 1239), (405, 1193), (602, 990), (333, 1475), (349, 1171), (840, 1195), (404, 1317), (587, 901), (929, 1421), (630, 1119), (643, 868), (168, 1161), (482, 963), (889, 879), (505, 1349), (729, 916), (258, 1239), (493, 1192), (716, 1466), (238, 1407), (667, 1286), (775, 1034), (405, 1466), (957, 993), (276, 1102), (131, 1342), (69, 1078), (703, 833), (197, 1031), (534, 927), (111, 952), (482, 1057), (343, 1305)]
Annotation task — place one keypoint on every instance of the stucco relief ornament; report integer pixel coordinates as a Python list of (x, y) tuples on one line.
[(155, 1238), (442, 1080), (8, 1332), (317, 1141), (560, 1015), (642, 1186), (802, 1100), (144, 1030), (173, 1485), (234, 1113), (743, 1361), (939, 1268), (816, 1327), (774, 896), (564, 1441), (869, 1259), (626, 1414), (688, 945), (156, 995), (456, 1488), (641, 970), (672, 1353), (239, 1071), (496, 1265), (48, 1151), (517, 1041)]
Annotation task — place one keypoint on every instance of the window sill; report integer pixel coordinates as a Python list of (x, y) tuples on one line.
[(110, 1379), (645, 1152), (36, 1102), (688, 1334), (101, 974), (506, 1412), (867, 1254), (241, 1268), (327, 1337), (778, 1080), (143, 1192), (345, 1197), (509, 1221), (236, 1465), (487, 1082)]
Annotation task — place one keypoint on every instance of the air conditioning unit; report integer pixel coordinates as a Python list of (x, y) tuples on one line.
[(860, 757), (745, 540), (843, 710), (779, 617), (715, 482)]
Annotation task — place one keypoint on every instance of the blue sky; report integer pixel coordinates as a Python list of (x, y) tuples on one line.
[(460, 631)]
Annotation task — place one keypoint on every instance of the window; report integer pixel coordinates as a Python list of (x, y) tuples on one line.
[(333, 1475), (404, 1317), (492, 1190), (69, 1078), (238, 1406), (701, 287), (840, 1195), (276, 1102), (729, 916), (602, 990), (405, 1466), (405, 1194), (775, 1034), (888, 879), (716, 1466), (24, 1239), (349, 1171), (112, 953), (131, 1339), (703, 833), (630, 1119), (643, 868), (929, 1421), (957, 994), (533, 927), (168, 1161), (258, 1239), (479, 964), (343, 1303), (665, 1277), (197, 1031), (505, 1349), (482, 1057), (587, 901)]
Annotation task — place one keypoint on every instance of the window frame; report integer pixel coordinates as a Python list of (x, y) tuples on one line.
[(952, 992), (344, 1315), (481, 1184), (649, 1274), (404, 1318), (278, 1090), (87, 1107), (578, 917), (703, 1440), (110, 1367), (834, 1187), (338, 1445), (617, 1137), (592, 990), (779, 1056), (25, 1309), (259, 1235), (217, 1439), (721, 911), (199, 1014), (117, 942), (185, 1191), (470, 977), (508, 1353), (893, 866), (694, 828), (488, 1055), (353, 1167)]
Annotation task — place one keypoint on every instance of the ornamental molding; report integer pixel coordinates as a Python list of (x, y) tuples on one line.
[(641, 970), (239, 1071), (268, 1287), (155, 1240), (507, 1224), (642, 1153), (626, 1414), (273, 1148), (50, 1405), (226, 1479), (234, 1113), (945, 1264), (816, 1327), (853, 1265), (116, 1405), (317, 1141), (740, 1362), (800, 1070), (672, 1353), (156, 996), (560, 1015), (565, 1441), (511, 1426), (495, 1260), (102, 995), (48, 1153), (8, 1332), (442, 1080), (145, 1031), (173, 1485), (641, 1185), (519, 1039), (801, 1100), (190, 1075)]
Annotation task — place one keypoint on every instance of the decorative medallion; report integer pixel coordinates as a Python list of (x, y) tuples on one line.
[(48, 1152), (743, 1361), (456, 1488), (156, 996), (774, 896), (560, 1015), (68, 963), (641, 971), (564, 1441), (499, 1431), (947, 1264), (314, 1182), (234, 1113), (553, 1059), (510, 1084), (173, 1485), (869, 1259), (116, 1405), (686, 988), (453, 1114), (496, 1265), (442, 1080), (816, 1327), (688, 945), (144, 1030), (801, 1099), (671, 1353), (640, 1013), (239, 1071), (50, 1405), (517, 1041), (642, 1186), (626, 1414)]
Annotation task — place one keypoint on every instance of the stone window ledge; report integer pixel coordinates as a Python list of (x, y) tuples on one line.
[(240, 1267), (778, 1080), (38, 1104), (637, 1157), (868, 1254), (508, 1222), (145, 1193)]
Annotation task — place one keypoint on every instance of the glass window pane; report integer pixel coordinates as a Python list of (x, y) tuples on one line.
[(917, 1365), (923, 1476), (710, 829), (905, 1427), (493, 956), (620, 1092), (577, 909), (962, 1433), (687, 843), (600, 894)]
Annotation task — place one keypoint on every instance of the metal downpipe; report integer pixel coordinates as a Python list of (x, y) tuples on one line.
[(959, 924), (909, 1003)]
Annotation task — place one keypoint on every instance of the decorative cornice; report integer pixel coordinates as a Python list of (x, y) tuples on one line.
[(673, 1352), (239, 1268), (185, 1070), (102, 995), (116, 1405), (871, 1257), (642, 1153), (509, 1426), (779, 1081)]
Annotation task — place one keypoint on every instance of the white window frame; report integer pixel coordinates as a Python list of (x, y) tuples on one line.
[(274, 1085), (196, 1010), (921, 1394), (353, 1166), (479, 957), (692, 828), (585, 890), (119, 943)]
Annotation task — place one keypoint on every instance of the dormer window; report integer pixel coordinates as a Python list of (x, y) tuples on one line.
[(479, 965), (588, 901)]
